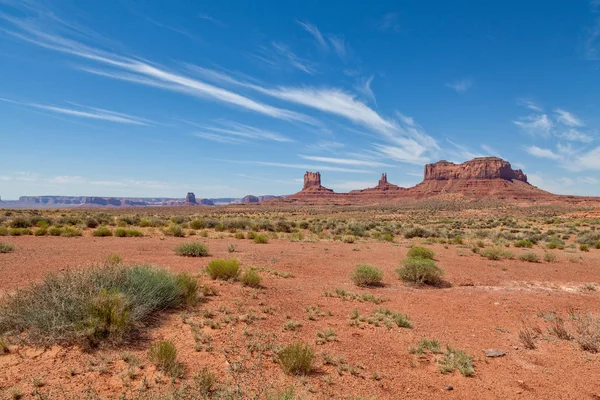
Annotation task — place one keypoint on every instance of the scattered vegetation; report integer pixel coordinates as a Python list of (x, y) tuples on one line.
[(223, 269), (107, 303), (349, 296), (164, 356), (6, 247), (193, 249), (250, 278), (420, 252), (297, 359), (420, 271), (367, 275), (529, 257)]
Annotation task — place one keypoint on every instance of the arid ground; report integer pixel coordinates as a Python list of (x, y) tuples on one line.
[(541, 312)]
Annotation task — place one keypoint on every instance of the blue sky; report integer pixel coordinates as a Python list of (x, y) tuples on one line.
[(227, 98)]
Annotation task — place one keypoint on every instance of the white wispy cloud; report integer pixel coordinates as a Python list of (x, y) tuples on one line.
[(567, 118), (538, 124), (314, 31), (389, 23), (326, 145), (543, 153), (411, 153), (67, 180), (235, 131), (279, 55), (306, 167), (138, 71), (592, 42), (86, 112), (215, 21), (490, 151), (345, 161), (530, 104), (26, 176), (403, 133), (364, 87), (219, 138), (575, 135), (339, 46), (460, 86)]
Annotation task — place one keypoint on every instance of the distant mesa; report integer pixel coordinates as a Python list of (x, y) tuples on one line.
[(250, 199), (190, 198), (483, 177)]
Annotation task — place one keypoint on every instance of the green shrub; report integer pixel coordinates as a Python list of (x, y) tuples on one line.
[(239, 235), (114, 259), (91, 223), (87, 305), (164, 356), (175, 230), (20, 222), (589, 238), (584, 247), (41, 232), (263, 238), (224, 269), (69, 231), (387, 237), (529, 257), (420, 252), (3, 231), (250, 278), (6, 247), (103, 231), (297, 359), (108, 317), (550, 257), (418, 232), (524, 243), (197, 224), (121, 232), (188, 285), (349, 239), (55, 231), (251, 235), (420, 271), (3, 346), (193, 249), (457, 359), (366, 275), (425, 345), (496, 254)]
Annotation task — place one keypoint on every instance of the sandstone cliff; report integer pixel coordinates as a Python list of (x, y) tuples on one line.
[(477, 168)]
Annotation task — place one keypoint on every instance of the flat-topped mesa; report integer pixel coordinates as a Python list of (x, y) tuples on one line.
[(312, 183), (477, 168)]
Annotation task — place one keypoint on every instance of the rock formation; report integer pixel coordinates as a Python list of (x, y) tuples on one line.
[(250, 199), (477, 168), (383, 188), (190, 198), (312, 183), (483, 177)]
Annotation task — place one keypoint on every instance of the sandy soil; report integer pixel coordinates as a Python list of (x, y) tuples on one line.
[(486, 306)]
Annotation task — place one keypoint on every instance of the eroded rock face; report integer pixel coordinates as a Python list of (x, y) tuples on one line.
[(190, 198), (477, 168), (383, 181), (312, 180), (250, 199), (312, 183)]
